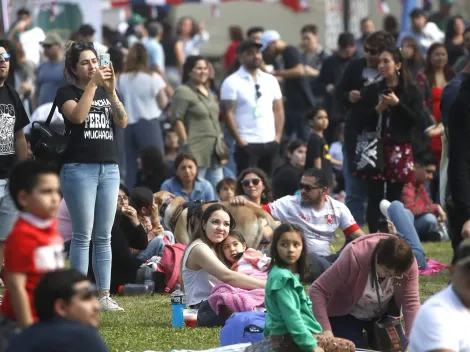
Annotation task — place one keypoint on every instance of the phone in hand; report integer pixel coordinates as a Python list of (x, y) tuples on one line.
[(387, 91), (383, 226), (105, 60)]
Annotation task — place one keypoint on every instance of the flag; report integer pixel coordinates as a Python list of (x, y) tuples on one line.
[(408, 6), (383, 7)]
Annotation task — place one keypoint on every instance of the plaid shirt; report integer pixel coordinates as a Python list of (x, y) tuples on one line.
[(416, 198)]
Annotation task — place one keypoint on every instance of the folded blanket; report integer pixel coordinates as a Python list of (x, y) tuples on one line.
[(235, 299), (433, 267)]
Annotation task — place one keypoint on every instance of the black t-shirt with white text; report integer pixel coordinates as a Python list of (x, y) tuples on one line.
[(13, 118), (318, 148), (94, 140)]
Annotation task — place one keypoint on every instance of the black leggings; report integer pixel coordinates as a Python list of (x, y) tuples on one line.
[(375, 191)]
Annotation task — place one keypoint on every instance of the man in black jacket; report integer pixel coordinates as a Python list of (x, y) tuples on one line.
[(459, 164), (358, 74)]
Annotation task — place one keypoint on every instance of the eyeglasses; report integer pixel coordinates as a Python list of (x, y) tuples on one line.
[(308, 188), (5, 56), (254, 181), (371, 51), (122, 198), (47, 46), (258, 93), (83, 46)]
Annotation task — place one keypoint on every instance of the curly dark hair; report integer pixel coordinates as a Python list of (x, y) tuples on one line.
[(72, 55), (267, 195)]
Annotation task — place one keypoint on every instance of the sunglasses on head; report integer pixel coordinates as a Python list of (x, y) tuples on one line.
[(6, 57), (254, 181), (83, 46), (308, 188), (371, 51), (258, 93)]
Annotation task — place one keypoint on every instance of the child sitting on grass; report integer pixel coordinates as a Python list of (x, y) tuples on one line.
[(290, 324), (34, 245), (226, 189), (234, 254)]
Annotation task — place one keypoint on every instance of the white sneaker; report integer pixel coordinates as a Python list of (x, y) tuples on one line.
[(107, 304), (384, 205)]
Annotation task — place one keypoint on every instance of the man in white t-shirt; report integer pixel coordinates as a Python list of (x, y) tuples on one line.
[(443, 321), (254, 111), (316, 213)]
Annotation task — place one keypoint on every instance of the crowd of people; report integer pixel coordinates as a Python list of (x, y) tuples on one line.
[(374, 133)]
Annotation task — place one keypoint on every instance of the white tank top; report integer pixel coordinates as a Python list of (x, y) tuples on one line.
[(197, 283)]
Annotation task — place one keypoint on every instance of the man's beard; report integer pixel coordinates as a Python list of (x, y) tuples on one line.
[(252, 65)]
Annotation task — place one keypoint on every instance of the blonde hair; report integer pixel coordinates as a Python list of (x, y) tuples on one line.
[(137, 60)]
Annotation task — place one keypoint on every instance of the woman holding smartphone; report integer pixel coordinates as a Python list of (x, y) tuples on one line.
[(90, 175)]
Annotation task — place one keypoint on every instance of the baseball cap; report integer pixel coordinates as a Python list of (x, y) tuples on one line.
[(135, 19), (247, 44), (268, 37), (52, 39)]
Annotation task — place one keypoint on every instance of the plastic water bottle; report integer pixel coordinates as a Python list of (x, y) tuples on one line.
[(150, 284), (178, 302), (135, 290)]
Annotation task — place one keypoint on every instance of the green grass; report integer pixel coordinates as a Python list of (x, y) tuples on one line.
[(146, 322)]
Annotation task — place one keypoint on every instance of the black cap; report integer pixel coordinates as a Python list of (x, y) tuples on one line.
[(417, 12), (247, 44)]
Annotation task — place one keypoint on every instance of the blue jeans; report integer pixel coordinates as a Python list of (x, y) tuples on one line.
[(154, 248), (91, 191), (356, 193), (211, 174), (139, 135), (8, 211), (426, 223), (403, 220)]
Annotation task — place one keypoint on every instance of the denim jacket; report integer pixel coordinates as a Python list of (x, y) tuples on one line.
[(202, 190)]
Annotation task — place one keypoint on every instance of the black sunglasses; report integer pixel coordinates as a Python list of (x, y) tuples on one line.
[(308, 188), (248, 181), (83, 46), (6, 56), (371, 51), (258, 93)]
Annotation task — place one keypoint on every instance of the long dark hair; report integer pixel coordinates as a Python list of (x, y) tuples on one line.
[(292, 146), (417, 58), (153, 162), (450, 28), (72, 55), (404, 76), (201, 233), (188, 66), (429, 69), (220, 247), (182, 157), (267, 195), (276, 258)]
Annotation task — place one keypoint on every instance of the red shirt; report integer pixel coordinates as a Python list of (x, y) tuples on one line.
[(416, 198), (230, 54), (34, 247)]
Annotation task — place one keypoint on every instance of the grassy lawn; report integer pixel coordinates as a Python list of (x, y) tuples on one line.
[(146, 322)]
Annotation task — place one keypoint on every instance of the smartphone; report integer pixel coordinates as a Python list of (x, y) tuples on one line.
[(387, 91), (105, 60), (383, 226)]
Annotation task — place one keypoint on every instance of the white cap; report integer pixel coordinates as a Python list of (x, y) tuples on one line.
[(268, 37)]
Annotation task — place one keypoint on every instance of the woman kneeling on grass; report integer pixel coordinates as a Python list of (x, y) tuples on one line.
[(202, 270), (290, 324), (345, 299)]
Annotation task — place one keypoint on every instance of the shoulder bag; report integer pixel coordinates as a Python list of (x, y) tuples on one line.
[(388, 331), (46, 144), (369, 154)]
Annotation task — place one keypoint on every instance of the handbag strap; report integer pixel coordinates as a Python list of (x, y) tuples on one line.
[(375, 281), (51, 113)]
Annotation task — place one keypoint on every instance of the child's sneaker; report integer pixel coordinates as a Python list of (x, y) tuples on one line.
[(107, 304)]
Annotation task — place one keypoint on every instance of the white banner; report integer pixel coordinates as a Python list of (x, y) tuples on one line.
[(6, 12)]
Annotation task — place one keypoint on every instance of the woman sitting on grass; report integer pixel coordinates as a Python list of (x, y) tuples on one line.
[(202, 270), (290, 324)]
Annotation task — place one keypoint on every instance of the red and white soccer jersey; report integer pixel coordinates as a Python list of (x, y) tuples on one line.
[(319, 226), (33, 248)]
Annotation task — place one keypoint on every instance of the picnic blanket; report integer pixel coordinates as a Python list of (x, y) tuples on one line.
[(235, 299), (433, 267)]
